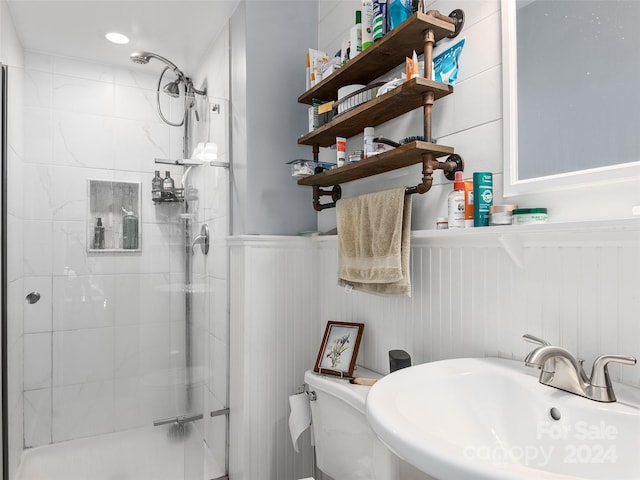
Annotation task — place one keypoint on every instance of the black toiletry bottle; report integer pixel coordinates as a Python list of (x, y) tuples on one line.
[(98, 235)]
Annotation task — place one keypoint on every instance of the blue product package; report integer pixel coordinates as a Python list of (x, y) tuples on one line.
[(398, 12), (445, 65)]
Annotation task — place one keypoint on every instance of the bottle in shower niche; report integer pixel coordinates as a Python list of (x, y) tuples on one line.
[(455, 203), (98, 235), (156, 187), (168, 186), (129, 230)]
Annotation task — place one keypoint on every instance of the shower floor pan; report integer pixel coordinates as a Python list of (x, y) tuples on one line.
[(140, 454)]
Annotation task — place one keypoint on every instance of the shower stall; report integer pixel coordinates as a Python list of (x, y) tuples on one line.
[(115, 317)]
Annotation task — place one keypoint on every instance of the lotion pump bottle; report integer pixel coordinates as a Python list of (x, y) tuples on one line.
[(455, 203)]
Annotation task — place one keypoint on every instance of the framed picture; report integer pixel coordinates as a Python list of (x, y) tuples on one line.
[(339, 349)]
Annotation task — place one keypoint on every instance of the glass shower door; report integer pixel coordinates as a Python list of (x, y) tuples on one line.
[(101, 355)]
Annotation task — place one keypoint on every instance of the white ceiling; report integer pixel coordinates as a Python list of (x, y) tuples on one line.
[(179, 30)]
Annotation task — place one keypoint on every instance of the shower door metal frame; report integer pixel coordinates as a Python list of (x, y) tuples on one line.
[(3, 270)]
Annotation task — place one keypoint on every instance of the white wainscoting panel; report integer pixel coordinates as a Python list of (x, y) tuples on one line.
[(274, 339), (475, 293)]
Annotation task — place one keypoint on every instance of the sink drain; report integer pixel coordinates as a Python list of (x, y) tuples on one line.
[(554, 413)]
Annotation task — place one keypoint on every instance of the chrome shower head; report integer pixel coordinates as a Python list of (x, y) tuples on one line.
[(139, 57), (144, 57), (172, 88)]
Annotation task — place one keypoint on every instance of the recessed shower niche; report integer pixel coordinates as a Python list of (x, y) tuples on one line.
[(113, 222)]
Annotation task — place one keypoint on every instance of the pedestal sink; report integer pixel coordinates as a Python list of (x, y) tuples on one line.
[(489, 418)]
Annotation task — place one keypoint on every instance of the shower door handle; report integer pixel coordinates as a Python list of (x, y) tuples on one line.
[(32, 298)]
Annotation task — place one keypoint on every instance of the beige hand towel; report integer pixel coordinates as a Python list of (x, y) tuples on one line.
[(374, 246)]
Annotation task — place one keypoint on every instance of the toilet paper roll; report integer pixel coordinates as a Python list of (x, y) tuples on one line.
[(299, 418)]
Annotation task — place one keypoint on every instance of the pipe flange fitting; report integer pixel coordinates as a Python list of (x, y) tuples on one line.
[(457, 159), (458, 18), (336, 193)]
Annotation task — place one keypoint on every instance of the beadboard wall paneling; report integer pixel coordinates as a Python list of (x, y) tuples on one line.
[(475, 293), (274, 339), (576, 286)]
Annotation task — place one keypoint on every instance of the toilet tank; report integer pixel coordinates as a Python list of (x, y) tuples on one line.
[(346, 446)]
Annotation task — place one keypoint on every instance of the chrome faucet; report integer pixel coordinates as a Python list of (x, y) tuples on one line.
[(561, 370)]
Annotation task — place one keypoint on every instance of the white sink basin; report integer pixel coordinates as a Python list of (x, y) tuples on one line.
[(489, 418)]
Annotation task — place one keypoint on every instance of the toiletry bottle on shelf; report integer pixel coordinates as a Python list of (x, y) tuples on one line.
[(341, 147), (367, 24), (156, 187), (455, 203), (129, 230), (379, 19), (356, 37), (168, 186), (369, 147), (98, 235), (398, 12), (468, 203), (482, 198)]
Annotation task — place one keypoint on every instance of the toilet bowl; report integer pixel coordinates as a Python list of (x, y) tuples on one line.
[(346, 446)]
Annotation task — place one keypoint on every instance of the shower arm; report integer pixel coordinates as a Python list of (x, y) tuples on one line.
[(191, 88)]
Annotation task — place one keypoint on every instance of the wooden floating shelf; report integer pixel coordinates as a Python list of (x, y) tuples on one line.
[(403, 156), (400, 100), (386, 54)]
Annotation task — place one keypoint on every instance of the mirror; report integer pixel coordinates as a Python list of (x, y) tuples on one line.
[(571, 111)]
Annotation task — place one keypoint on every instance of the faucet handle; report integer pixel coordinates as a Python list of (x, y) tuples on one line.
[(600, 372), (533, 339)]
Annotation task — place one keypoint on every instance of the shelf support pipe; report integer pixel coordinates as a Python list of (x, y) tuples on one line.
[(427, 175), (318, 193), (335, 193), (429, 40), (455, 18), (429, 97), (428, 100), (440, 16), (429, 163)]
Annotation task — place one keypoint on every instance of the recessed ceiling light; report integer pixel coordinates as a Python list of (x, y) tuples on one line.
[(117, 38)]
